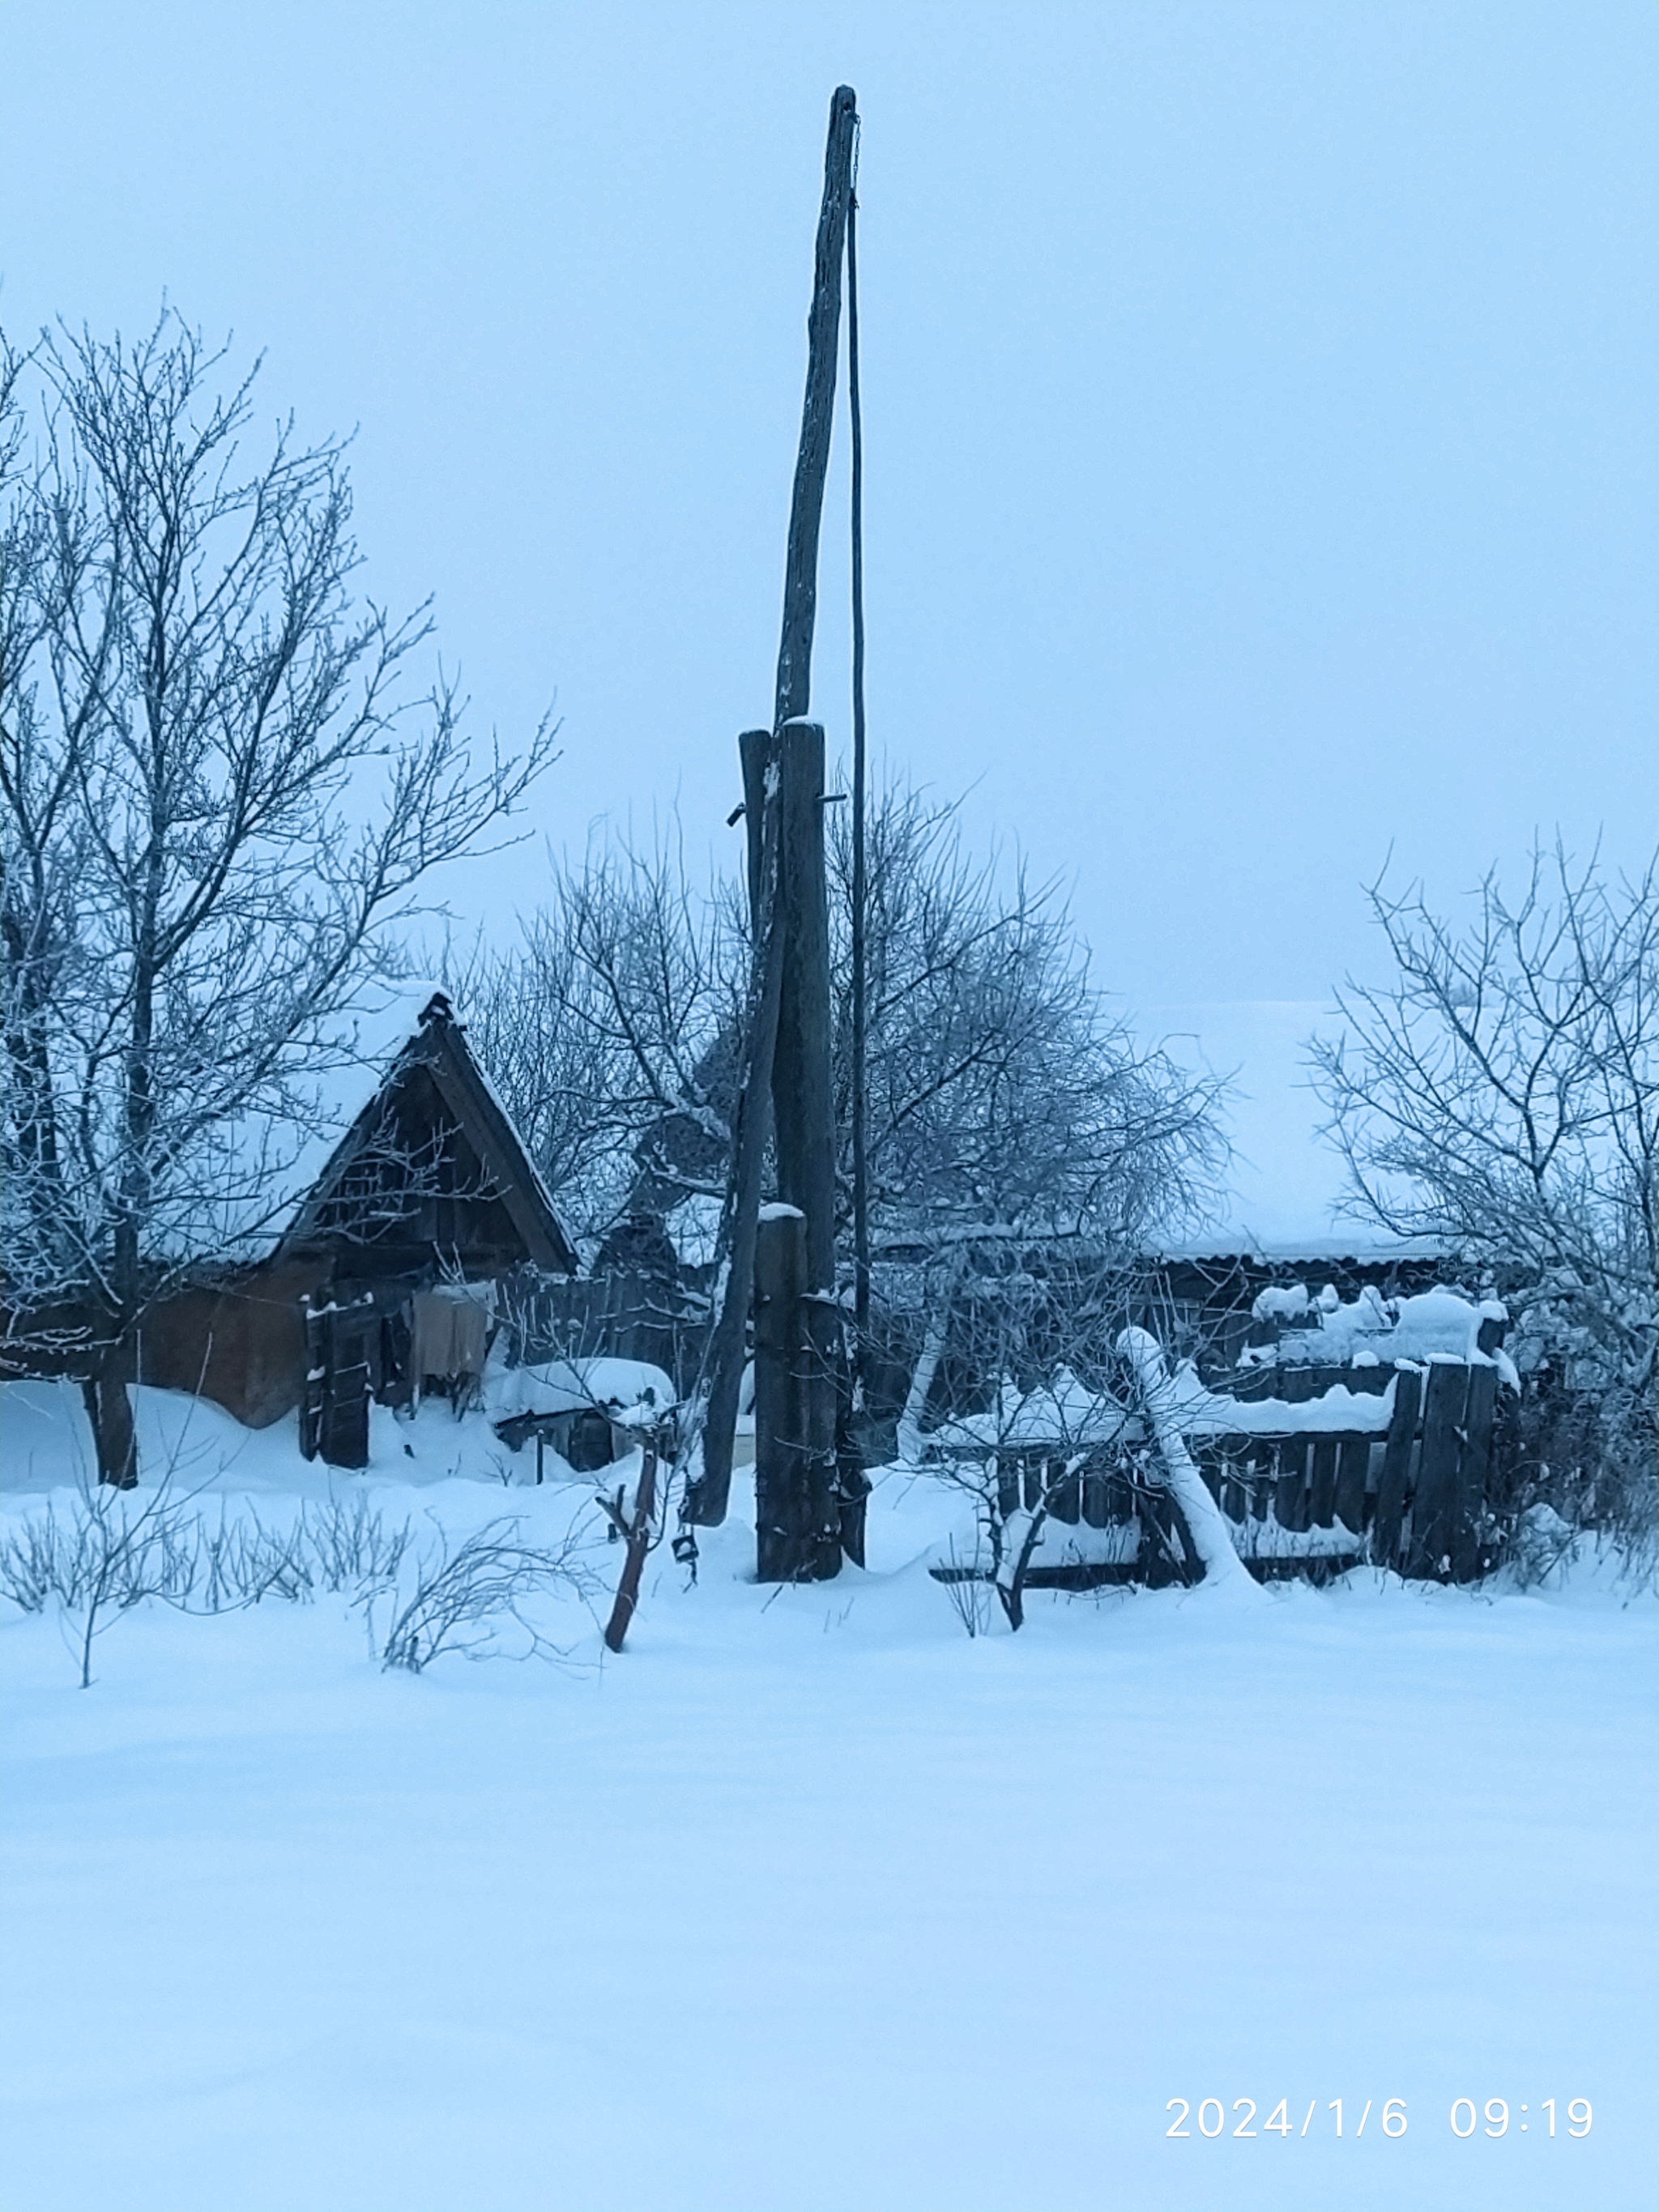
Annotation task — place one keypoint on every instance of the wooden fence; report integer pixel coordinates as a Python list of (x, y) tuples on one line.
[(624, 1314), (1417, 1495), (1412, 1496)]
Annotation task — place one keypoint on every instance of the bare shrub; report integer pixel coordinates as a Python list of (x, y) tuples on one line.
[(462, 1599), (967, 1592), (352, 1545), (31, 1567)]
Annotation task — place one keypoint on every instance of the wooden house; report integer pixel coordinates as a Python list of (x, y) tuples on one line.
[(385, 1281)]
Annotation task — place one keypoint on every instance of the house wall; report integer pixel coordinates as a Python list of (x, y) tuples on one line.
[(242, 1344)]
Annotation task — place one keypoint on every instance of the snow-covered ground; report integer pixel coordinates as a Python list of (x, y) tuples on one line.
[(809, 1904)]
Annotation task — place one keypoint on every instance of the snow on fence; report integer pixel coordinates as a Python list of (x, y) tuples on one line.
[(1316, 1468), (1405, 1485)]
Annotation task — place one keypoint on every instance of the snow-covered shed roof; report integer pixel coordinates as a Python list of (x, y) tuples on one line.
[(435, 1043)]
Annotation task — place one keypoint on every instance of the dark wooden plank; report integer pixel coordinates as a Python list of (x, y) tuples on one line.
[(1290, 1489), (1366, 1382), (1234, 1489), (1353, 1461), (1096, 1502), (1064, 1494), (1158, 1567), (1437, 1508), (1396, 1467), (1470, 1560), (1008, 1484), (780, 1281), (1321, 1482)]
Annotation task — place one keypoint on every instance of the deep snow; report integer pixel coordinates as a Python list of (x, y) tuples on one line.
[(809, 1901)]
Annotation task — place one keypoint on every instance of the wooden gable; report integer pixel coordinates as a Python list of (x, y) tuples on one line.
[(432, 1171)]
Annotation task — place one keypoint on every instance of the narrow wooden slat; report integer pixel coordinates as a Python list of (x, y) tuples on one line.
[(1097, 1498), (1007, 1484), (1468, 1563), (1064, 1494), (1396, 1467), (1435, 1511), (1353, 1459), (1322, 1483)]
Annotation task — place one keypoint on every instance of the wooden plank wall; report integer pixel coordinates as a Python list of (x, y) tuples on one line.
[(620, 1314), (1417, 1495)]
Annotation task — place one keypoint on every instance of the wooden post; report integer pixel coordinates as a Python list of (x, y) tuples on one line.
[(780, 1281), (1474, 1464), (715, 1401), (1353, 1464), (861, 874), (804, 1133), (801, 575), (715, 1409), (1322, 1486)]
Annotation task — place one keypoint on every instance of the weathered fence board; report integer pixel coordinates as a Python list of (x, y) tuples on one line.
[(1353, 1466), (1394, 1480), (1437, 1509)]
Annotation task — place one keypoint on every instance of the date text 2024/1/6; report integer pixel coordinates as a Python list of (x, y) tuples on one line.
[(1464, 2117)]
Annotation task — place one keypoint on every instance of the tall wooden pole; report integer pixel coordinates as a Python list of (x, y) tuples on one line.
[(717, 1398), (860, 881), (800, 574), (795, 1481)]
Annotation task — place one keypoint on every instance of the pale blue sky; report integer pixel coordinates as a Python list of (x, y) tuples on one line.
[(1260, 400)]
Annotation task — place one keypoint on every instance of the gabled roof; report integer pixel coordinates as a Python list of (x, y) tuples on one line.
[(439, 1045)]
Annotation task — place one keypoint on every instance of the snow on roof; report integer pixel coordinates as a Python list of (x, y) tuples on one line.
[(566, 1386), (1285, 1196), (258, 1167)]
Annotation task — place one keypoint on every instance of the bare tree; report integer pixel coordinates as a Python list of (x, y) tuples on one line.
[(1000, 1088), (1500, 1094), (218, 800), (611, 1031)]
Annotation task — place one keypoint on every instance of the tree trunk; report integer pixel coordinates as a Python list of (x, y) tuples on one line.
[(639, 1544), (109, 1411)]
